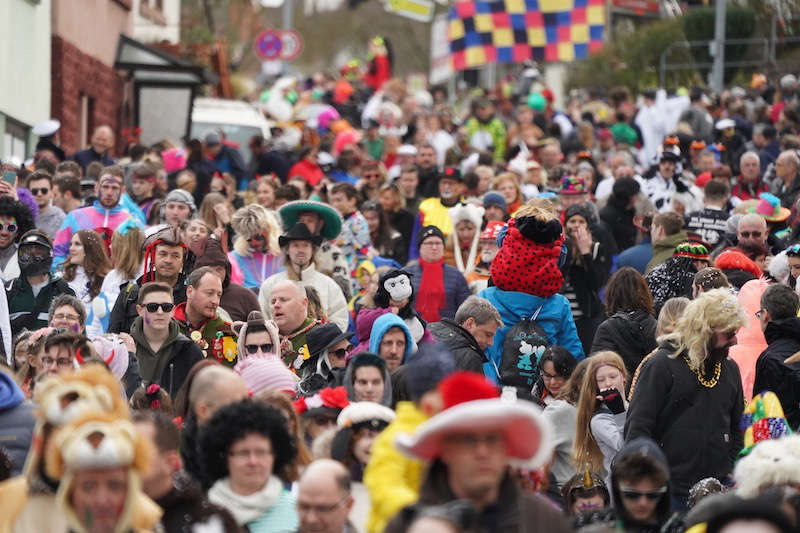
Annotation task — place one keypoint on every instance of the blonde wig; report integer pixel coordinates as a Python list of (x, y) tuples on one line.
[(585, 450), (251, 220), (539, 208), (715, 311)]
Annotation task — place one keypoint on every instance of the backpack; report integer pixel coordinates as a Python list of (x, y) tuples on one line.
[(523, 346)]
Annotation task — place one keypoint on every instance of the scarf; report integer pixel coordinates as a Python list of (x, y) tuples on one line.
[(430, 297), (245, 509)]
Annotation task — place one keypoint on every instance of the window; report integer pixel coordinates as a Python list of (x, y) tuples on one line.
[(86, 104), (15, 140)]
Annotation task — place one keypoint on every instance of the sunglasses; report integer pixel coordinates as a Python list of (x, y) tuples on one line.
[(341, 352), (651, 495), (37, 192), (152, 308), (748, 234), (254, 348), (257, 238), (11, 228)]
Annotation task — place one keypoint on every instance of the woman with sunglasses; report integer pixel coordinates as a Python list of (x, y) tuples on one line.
[(328, 349), (258, 337), (15, 220), (255, 253), (164, 355)]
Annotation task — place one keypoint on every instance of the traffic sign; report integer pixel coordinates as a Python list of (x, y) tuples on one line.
[(292, 45), (268, 45)]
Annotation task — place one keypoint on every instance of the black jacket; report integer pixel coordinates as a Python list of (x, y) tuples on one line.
[(124, 311), (185, 506), (190, 453), (466, 352), (515, 510), (783, 341), (620, 222), (696, 427), (631, 335)]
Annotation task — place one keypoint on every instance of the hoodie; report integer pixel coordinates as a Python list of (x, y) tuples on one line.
[(236, 300), (772, 371), (632, 335), (16, 422), (555, 317), (664, 249), (381, 326), (349, 378), (644, 447)]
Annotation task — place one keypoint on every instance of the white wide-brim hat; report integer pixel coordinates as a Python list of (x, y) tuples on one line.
[(528, 435)]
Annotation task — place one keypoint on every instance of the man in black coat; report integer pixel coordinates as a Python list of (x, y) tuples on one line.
[(470, 333), (776, 369), (619, 212), (689, 398)]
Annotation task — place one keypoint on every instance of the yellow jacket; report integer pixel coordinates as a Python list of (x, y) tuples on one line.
[(435, 214), (393, 479)]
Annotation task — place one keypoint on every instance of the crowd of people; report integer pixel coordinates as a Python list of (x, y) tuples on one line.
[(411, 313)]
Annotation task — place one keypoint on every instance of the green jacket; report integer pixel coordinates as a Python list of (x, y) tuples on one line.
[(665, 249), (27, 311), (208, 334)]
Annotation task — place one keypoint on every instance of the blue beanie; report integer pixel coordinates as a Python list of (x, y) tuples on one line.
[(426, 368), (494, 198)]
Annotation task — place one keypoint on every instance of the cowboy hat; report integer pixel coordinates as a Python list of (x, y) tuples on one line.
[(527, 433), (290, 213), (299, 232)]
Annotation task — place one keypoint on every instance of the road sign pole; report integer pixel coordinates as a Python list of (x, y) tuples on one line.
[(288, 22), (718, 70)]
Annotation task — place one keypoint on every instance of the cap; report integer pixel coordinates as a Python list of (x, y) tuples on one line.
[(451, 173), (212, 139), (46, 128), (725, 123), (407, 149), (35, 237), (494, 198)]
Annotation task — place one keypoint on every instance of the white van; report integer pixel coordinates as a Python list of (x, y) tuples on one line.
[(237, 120)]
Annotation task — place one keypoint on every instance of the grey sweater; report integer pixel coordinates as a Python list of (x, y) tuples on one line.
[(49, 220)]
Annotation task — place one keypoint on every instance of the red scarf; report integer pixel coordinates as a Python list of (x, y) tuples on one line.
[(430, 297)]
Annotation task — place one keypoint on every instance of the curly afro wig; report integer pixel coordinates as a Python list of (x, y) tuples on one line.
[(14, 208), (236, 421)]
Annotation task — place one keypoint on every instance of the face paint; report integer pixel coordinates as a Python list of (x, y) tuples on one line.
[(75, 327)]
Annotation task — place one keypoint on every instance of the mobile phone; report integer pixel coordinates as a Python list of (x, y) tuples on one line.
[(10, 177)]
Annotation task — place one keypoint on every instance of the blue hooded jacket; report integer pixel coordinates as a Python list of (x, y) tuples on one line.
[(16, 422), (381, 326), (555, 318)]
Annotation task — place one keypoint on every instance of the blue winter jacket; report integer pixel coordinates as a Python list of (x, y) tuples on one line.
[(16, 422), (455, 287), (555, 318), (382, 324)]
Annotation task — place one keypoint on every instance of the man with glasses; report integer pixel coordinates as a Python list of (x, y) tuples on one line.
[(688, 397), (323, 498), (50, 217), (163, 353), (15, 220), (67, 312), (776, 368), (327, 349)]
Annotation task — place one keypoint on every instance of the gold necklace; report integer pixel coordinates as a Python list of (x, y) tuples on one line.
[(710, 383)]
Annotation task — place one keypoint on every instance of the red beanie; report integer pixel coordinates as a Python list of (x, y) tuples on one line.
[(733, 260), (460, 387), (523, 265)]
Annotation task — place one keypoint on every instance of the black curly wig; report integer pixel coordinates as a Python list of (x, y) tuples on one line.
[(233, 423), (14, 208)]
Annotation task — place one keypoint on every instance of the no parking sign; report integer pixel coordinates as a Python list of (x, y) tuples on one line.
[(282, 45)]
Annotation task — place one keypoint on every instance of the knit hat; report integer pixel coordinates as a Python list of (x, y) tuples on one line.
[(769, 207), (763, 419), (493, 198), (492, 230), (691, 249), (528, 259), (578, 210), (262, 373), (427, 368), (573, 185), (183, 197), (427, 232)]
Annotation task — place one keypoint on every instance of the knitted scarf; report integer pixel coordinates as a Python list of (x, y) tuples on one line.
[(431, 295), (245, 509)]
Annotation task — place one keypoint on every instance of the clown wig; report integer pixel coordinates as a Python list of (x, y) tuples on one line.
[(251, 220)]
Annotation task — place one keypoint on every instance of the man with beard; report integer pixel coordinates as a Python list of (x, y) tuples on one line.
[(688, 397), (427, 175), (105, 213), (478, 279)]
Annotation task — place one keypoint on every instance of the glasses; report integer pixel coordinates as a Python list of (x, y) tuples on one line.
[(63, 362), (37, 192), (11, 228), (550, 377), (64, 316), (153, 307), (341, 352), (245, 454), (305, 508), (254, 348), (753, 234), (633, 494)]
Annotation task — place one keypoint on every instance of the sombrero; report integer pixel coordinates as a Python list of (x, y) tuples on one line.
[(290, 213)]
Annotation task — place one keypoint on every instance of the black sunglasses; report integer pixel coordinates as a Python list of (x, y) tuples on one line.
[(253, 348), (652, 495), (36, 192), (153, 307), (341, 352)]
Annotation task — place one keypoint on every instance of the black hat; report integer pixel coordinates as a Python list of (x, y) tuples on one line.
[(669, 155), (429, 231), (451, 173), (299, 232), (324, 336), (36, 237)]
